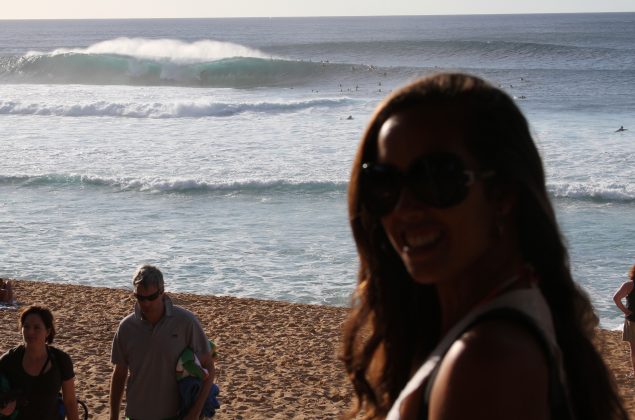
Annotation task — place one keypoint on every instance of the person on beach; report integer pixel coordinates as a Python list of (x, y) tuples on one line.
[(6, 292), (465, 306), (145, 351), (627, 291), (36, 371)]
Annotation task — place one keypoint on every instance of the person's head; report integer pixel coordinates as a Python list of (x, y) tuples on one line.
[(148, 276), (148, 290), (37, 325), (631, 273), (445, 220)]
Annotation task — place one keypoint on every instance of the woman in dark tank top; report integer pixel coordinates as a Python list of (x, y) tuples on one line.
[(36, 372), (627, 291)]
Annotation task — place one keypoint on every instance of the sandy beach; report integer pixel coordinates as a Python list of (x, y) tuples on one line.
[(277, 360)]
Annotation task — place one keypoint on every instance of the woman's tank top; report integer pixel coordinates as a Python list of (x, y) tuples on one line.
[(630, 305), (528, 307)]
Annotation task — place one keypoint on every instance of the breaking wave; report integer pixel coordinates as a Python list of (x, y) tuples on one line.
[(145, 62), (165, 185), (158, 110), (599, 192)]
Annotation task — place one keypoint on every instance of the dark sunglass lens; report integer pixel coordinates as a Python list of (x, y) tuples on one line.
[(151, 297), (439, 180), (380, 188)]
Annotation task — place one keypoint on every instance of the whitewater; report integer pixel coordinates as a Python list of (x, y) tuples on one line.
[(220, 149)]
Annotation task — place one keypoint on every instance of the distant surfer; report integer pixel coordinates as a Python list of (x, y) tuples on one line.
[(350, 117), (621, 129)]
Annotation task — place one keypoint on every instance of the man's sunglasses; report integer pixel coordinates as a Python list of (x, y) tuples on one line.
[(149, 298), (439, 180)]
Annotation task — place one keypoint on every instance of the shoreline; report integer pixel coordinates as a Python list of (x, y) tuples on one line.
[(277, 360)]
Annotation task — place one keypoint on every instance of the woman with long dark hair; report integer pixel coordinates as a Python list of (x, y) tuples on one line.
[(465, 306)]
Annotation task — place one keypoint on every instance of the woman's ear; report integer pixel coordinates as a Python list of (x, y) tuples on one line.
[(505, 199)]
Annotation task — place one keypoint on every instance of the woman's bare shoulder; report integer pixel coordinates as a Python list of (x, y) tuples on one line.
[(497, 370)]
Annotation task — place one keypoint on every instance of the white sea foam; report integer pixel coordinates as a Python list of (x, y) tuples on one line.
[(600, 191), (163, 49), (174, 185), (173, 109)]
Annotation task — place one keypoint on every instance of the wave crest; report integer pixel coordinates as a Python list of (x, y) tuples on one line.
[(598, 191), (158, 110), (170, 50), (142, 62), (184, 186)]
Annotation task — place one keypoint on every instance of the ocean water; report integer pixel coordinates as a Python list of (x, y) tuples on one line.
[(219, 149)]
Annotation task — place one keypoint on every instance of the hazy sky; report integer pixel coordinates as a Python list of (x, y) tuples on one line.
[(77, 9)]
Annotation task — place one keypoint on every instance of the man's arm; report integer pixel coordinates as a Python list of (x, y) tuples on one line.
[(117, 384), (207, 362), (623, 291)]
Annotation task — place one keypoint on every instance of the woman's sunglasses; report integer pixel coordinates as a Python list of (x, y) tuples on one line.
[(439, 180), (149, 298)]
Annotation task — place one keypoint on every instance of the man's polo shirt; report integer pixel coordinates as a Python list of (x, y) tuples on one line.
[(151, 353)]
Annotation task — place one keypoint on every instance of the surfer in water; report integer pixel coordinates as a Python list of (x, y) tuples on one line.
[(620, 129)]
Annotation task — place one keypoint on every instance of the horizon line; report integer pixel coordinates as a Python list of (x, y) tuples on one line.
[(320, 16)]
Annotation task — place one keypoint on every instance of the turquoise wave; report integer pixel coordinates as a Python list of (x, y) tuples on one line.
[(116, 69)]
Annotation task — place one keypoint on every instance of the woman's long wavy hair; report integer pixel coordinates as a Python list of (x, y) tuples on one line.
[(395, 323)]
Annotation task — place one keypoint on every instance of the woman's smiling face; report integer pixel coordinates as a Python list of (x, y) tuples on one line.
[(435, 244), (34, 331)]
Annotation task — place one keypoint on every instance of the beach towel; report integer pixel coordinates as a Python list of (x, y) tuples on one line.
[(190, 375), (189, 365), (189, 388)]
